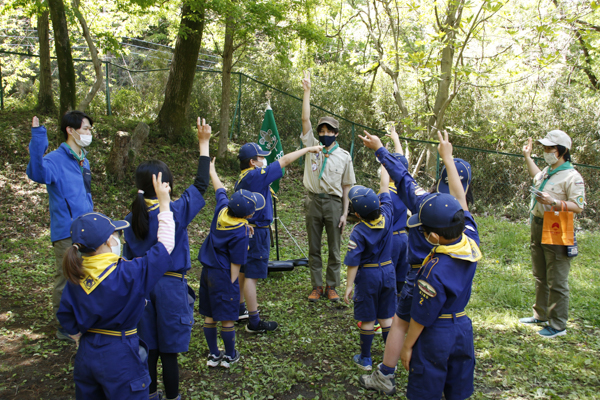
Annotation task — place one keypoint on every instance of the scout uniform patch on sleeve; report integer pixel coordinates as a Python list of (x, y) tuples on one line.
[(426, 288), (351, 245), (580, 201)]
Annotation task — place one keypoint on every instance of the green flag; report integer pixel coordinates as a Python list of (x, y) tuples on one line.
[(268, 140)]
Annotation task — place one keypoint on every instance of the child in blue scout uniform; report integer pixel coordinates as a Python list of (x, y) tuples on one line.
[(418, 248), (66, 174), (103, 302), (256, 176), (222, 253), (166, 326), (369, 261)]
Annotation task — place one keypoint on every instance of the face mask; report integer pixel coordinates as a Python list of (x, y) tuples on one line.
[(116, 249), (550, 158), (265, 163), (326, 140), (84, 140), (429, 241)]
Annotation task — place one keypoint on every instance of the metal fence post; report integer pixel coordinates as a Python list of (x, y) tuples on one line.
[(352, 145), (108, 110), (237, 106), (1, 89), (240, 107)]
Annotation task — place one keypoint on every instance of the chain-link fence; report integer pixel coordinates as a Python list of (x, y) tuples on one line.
[(135, 88)]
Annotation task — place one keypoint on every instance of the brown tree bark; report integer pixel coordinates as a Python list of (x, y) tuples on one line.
[(172, 118), (226, 87), (62, 46), (45, 102)]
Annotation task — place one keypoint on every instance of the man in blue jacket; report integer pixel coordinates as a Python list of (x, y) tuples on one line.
[(66, 174)]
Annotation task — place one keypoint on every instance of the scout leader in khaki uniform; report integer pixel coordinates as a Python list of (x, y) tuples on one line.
[(328, 176), (559, 181)]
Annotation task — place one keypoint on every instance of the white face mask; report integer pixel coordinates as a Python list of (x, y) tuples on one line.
[(550, 158), (83, 141), (116, 249)]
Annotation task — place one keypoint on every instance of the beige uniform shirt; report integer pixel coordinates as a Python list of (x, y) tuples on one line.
[(565, 185), (338, 172)]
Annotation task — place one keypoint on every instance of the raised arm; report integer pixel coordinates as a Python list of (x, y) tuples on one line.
[(38, 169), (456, 187), (394, 136), (531, 167), (166, 225), (202, 173), (291, 157), (214, 177), (306, 126), (384, 182)]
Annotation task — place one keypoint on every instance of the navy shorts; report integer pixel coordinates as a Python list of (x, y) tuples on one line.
[(219, 299), (257, 263), (375, 293), (110, 367), (406, 296), (167, 321), (399, 256), (443, 361)]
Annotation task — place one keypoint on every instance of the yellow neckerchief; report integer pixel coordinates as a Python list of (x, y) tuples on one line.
[(245, 172), (466, 250), (393, 187), (226, 223), (96, 269), (152, 204), (378, 223)]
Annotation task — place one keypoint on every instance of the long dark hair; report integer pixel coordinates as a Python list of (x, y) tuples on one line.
[(143, 181), (72, 264)]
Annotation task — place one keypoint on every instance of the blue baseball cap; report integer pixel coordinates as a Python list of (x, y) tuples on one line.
[(92, 230), (464, 172), (436, 211), (244, 202), (364, 200), (251, 150), (402, 159)]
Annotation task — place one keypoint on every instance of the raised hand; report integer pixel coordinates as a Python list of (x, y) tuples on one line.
[(204, 130), (306, 81), (212, 169), (393, 134), (528, 148), (371, 141), (445, 147), (162, 190), (35, 122)]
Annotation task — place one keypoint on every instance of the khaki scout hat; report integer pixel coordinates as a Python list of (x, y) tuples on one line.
[(329, 121), (556, 138)]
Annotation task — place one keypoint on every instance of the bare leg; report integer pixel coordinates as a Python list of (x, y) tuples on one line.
[(395, 341), (250, 293), (242, 280)]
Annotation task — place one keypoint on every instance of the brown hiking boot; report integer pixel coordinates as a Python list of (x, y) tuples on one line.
[(331, 293), (316, 294)]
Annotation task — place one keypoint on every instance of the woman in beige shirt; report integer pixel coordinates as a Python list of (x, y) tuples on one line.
[(559, 181)]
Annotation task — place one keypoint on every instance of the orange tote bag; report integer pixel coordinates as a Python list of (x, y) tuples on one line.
[(558, 227)]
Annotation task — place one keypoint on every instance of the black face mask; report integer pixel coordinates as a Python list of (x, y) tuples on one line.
[(326, 140)]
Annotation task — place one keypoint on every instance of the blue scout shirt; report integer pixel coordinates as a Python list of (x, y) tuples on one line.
[(227, 241), (371, 242), (258, 180), (184, 211), (68, 183), (445, 280), (116, 293), (399, 210)]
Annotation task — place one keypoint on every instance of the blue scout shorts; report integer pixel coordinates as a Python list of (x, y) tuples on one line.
[(110, 367), (443, 361), (219, 299), (406, 296), (167, 321), (257, 263), (375, 293), (399, 255)]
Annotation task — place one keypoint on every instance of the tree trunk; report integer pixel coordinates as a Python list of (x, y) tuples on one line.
[(172, 118), (62, 46), (95, 59), (45, 104), (118, 158), (226, 87)]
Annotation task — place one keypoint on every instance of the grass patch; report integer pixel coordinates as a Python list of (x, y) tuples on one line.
[(310, 355)]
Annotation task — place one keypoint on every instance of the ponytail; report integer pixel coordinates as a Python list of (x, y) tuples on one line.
[(72, 265), (139, 216)]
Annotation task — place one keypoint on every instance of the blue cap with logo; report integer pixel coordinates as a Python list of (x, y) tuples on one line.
[(364, 200), (464, 172), (401, 158), (92, 230), (244, 202), (251, 150), (436, 211)]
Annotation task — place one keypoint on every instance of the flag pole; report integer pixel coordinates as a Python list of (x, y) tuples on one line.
[(276, 230)]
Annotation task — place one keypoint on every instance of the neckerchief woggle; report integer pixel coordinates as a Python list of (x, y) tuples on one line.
[(567, 165), (326, 154), (96, 269), (466, 250)]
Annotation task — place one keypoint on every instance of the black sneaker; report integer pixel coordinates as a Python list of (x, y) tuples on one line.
[(215, 360), (263, 326), (227, 361), (244, 315)]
